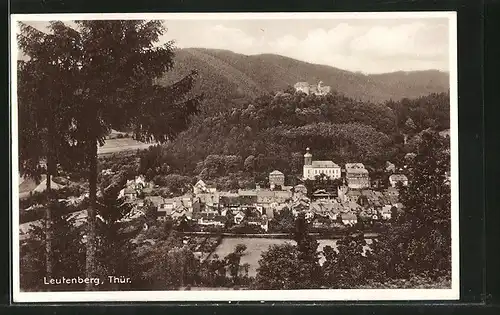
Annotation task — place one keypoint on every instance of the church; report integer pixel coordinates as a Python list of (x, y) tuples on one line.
[(314, 168)]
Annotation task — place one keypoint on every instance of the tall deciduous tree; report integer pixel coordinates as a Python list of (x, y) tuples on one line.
[(118, 64)]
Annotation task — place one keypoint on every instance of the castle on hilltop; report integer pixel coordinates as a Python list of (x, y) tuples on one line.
[(307, 88)]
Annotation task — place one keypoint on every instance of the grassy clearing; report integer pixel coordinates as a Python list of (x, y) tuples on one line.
[(28, 185), (123, 144)]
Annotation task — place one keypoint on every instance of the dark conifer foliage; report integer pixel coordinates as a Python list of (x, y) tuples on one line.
[(105, 73)]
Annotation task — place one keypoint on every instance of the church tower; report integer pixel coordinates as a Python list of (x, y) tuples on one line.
[(307, 165), (308, 157)]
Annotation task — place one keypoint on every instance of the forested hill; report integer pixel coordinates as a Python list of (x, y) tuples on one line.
[(272, 132), (228, 79)]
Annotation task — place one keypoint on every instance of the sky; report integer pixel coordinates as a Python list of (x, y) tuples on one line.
[(359, 45)]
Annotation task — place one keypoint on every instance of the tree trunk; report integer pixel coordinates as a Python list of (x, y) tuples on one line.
[(50, 201), (90, 266), (48, 224)]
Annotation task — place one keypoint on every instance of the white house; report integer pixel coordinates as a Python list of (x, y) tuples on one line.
[(276, 178), (239, 217), (138, 183), (394, 179), (201, 187), (129, 194), (357, 176), (349, 219), (314, 168)]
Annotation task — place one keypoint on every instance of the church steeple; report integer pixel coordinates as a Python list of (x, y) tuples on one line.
[(308, 157)]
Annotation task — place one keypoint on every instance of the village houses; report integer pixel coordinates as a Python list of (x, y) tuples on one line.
[(206, 206)]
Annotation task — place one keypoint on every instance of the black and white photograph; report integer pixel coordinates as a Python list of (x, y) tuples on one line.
[(234, 157)]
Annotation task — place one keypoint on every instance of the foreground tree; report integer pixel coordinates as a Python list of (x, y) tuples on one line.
[(279, 269), (115, 68), (420, 242), (307, 246), (233, 260), (290, 266), (44, 111), (346, 267), (114, 232), (67, 246)]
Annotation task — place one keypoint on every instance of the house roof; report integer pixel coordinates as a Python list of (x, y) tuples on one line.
[(322, 219), (386, 208), (320, 191), (350, 205), (156, 200), (348, 216), (247, 192), (301, 84), (276, 172), (220, 218), (43, 186), (319, 164), (354, 165), (392, 190), (367, 192), (200, 182), (247, 200), (265, 193), (398, 177), (230, 200), (254, 219), (129, 191), (208, 215), (357, 168), (326, 207), (356, 171), (228, 194), (282, 194)]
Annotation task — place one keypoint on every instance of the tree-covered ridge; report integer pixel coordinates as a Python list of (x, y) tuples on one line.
[(273, 132), (226, 76)]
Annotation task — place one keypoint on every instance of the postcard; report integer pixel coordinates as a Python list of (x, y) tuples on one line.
[(234, 157)]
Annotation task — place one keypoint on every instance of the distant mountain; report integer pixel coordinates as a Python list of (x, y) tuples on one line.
[(227, 77)]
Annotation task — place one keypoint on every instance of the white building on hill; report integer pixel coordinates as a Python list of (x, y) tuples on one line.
[(307, 88), (314, 168)]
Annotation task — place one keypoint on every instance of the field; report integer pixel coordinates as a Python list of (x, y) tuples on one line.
[(27, 184), (123, 144), (255, 247)]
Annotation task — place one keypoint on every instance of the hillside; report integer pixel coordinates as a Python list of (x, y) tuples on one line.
[(228, 78), (272, 132)]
